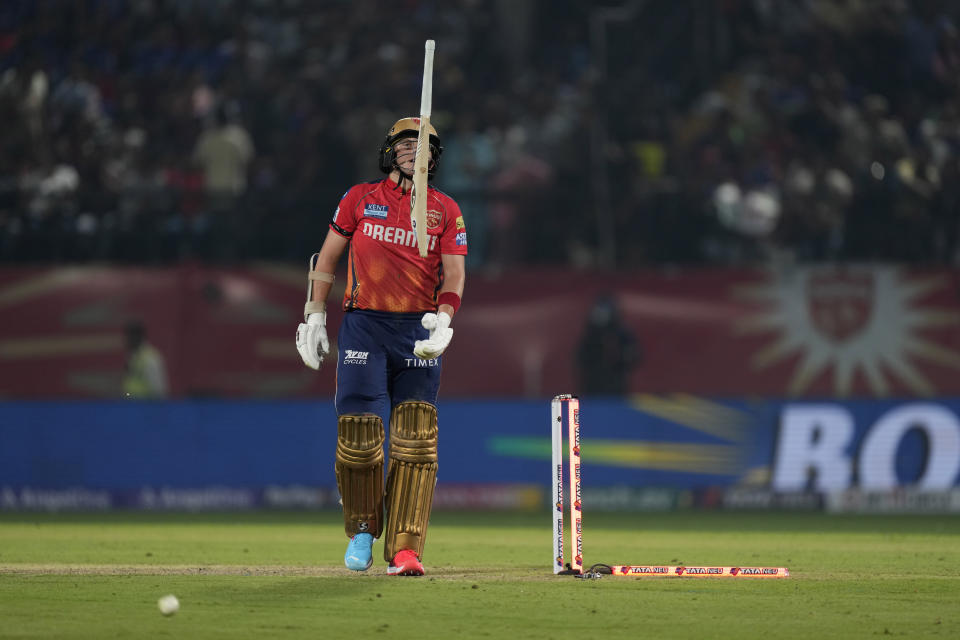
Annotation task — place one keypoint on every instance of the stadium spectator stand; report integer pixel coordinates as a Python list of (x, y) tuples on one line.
[(608, 134)]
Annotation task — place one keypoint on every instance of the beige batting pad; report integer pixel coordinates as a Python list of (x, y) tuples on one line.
[(359, 468), (411, 477)]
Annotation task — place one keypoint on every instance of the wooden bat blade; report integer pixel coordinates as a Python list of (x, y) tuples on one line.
[(421, 178), (421, 166)]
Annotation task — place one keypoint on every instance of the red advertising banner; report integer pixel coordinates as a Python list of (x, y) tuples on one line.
[(855, 331)]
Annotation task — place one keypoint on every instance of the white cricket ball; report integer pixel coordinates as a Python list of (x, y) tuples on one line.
[(168, 605)]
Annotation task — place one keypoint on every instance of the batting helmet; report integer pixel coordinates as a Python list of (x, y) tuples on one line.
[(408, 128)]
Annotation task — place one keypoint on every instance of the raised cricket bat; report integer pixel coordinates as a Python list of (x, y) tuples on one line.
[(421, 166)]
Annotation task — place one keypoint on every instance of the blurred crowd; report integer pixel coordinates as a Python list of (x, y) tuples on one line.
[(816, 130), (612, 134)]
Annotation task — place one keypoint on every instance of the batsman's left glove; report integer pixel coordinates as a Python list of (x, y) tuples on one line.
[(440, 335)]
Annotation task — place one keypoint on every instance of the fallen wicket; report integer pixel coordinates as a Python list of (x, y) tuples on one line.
[(568, 406)]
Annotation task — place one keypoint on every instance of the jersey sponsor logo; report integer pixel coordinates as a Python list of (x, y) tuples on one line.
[(462, 239), (355, 357), (378, 211), (460, 224), (394, 235), (433, 218)]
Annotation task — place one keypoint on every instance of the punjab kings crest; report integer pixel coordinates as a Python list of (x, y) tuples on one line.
[(840, 302)]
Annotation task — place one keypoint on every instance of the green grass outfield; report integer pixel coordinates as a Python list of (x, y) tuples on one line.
[(280, 575)]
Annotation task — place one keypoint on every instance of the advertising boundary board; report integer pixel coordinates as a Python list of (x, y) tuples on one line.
[(636, 454)]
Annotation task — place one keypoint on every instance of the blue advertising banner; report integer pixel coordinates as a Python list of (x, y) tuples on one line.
[(676, 442)]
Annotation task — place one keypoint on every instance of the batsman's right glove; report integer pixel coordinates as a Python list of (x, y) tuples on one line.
[(312, 342)]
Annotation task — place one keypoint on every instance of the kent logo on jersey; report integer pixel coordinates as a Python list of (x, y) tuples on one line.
[(375, 211)]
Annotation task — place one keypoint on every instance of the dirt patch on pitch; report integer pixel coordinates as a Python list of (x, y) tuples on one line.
[(440, 573), (163, 570)]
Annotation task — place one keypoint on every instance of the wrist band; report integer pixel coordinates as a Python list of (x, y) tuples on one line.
[(315, 306), (450, 298)]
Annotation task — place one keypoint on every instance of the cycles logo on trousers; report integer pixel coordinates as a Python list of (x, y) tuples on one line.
[(355, 357)]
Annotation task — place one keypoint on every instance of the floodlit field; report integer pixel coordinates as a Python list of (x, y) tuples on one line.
[(280, 575)]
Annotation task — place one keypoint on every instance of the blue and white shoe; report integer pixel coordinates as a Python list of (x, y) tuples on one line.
[(359, 555)]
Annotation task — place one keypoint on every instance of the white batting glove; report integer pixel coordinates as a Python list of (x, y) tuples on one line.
[(440, 335), (312, 342)]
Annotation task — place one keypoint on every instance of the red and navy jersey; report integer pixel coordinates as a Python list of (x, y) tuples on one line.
[(385, 271)]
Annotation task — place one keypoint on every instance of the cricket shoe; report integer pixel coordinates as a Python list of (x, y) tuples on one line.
[(359, 555), (405, 563)]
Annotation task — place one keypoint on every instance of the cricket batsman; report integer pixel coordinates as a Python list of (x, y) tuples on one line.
[(396, 326)]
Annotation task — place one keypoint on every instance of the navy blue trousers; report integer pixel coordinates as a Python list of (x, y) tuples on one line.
[(376, 369)]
